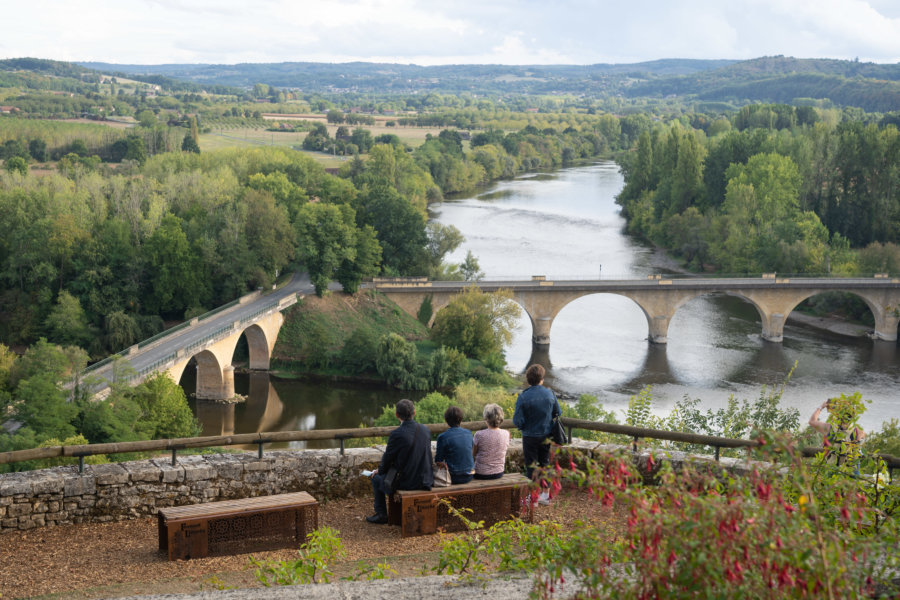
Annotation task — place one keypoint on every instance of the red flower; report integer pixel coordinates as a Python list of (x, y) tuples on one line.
[(672, 558)]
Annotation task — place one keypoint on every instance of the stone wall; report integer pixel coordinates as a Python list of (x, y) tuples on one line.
[(128, 490)]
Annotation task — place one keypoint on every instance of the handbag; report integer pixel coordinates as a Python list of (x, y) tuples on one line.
[(558, 433), (441, 475), (389, 483)]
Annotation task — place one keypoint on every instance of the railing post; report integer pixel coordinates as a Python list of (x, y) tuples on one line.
[(259, 446), (342, 446), (634, 445), (570, 433), (174, 457), (80, 464), (717, 453)]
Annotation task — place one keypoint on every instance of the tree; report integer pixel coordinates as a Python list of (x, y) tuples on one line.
[(397, 362), (38, 149), (67, 323), (325, 239), (16, 164), (189, 144), (172, 269), (399, 226), (165, 408), (365, 263), (470, 268), (476, 323)]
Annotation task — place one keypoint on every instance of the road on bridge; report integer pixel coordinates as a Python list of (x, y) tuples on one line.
[(158, 351)]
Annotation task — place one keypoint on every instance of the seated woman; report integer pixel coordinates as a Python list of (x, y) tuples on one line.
[(491, 445), (454, 447)]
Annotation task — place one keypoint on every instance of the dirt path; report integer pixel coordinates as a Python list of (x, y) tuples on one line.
[(121, 559)]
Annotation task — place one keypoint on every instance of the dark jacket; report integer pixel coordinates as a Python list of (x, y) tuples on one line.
[(415, 467), (454, 447), (535, 408)]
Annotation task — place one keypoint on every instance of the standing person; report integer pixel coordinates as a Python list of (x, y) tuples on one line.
[(536, 407), (409, 450), (454, 447), (491, 445)]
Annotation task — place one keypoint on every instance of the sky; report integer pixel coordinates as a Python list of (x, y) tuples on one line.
[(435, 32)]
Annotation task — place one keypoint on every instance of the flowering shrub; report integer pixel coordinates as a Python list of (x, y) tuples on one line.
[(702, 533)]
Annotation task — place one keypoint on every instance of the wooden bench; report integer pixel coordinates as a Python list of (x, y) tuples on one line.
[(491, 500), (237, 526)]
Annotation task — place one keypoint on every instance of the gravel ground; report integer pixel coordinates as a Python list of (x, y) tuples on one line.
[(121, 559)]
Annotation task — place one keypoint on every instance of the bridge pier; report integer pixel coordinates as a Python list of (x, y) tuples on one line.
[(886, 326), (773, 327), (540, 331), (659, 329)]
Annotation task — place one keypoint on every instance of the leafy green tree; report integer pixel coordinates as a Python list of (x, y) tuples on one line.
[(325, 239), (399, 226), (359, 351), (476, 323), (470, 268), (38, 149), (446, 367), (122, 330), (397, 362), (165, 408), (172, 268), (365, 263), (189, 144), (67, 322), (268, 232), (16, 164)]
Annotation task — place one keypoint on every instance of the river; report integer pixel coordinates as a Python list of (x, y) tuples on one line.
[(566, 225)]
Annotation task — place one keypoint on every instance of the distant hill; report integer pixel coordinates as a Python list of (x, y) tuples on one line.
[(386, 78), (873, 87)]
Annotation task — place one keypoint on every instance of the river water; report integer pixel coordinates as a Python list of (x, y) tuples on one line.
[(566, 225)]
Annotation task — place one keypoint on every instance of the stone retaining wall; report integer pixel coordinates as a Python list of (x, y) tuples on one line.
[(117, 491)]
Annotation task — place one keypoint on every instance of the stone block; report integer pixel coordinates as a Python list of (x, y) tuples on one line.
[(53, 507), (2, 512), (39, 507), (143, 471), (109, 474), (46, 483), (26, 523), (9, 523), (80, 485), (19, 509), (15, 484), (266, 464), (168, 473), (226, 467)]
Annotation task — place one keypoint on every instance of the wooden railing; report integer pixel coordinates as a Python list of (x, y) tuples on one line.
[(261, 439)]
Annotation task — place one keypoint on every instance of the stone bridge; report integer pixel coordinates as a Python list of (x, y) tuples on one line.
[(210, 340), (660, 298)]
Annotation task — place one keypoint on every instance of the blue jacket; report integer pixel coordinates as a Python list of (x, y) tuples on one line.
[(454, 447), (535, 408), (415, 467)]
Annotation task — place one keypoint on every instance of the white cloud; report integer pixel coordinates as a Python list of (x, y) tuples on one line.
[(453, 31)]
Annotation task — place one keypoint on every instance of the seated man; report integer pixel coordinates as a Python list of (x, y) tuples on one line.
[(409, 450)]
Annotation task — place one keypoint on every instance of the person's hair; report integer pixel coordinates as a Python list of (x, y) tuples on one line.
[(493, 415), (534, 374), (453, 416), (405, 409)]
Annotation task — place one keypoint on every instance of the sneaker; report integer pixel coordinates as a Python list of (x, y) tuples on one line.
[(377, 519), (544, 499)]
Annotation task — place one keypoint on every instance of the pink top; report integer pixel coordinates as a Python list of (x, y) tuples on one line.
[(490, 451)]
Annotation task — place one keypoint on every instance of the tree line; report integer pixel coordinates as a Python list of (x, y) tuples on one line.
[(774, 189)]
